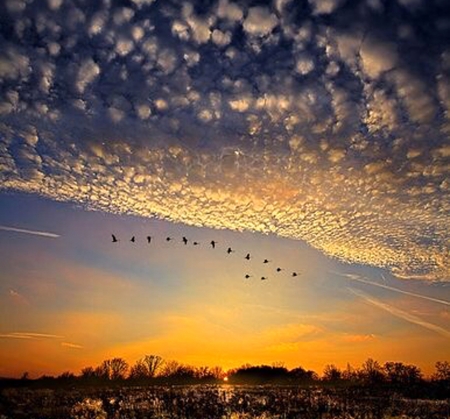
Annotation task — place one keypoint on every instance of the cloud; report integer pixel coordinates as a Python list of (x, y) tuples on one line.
[(400, 313), (388, 287), (357, 338), (259, 21), (29, 335), (71, 345), (32, 232), (323, 130), (17, 297)]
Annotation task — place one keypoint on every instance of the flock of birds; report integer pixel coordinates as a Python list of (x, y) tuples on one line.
[(213, 245)]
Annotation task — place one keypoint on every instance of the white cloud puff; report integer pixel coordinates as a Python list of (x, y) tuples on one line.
[(259, 21)]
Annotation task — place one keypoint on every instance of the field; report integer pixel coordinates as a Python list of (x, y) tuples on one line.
[(213, 402)]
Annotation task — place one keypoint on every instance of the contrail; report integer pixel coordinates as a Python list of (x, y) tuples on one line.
[(400, 313), (388, 287), (35, 233), (30, 335)]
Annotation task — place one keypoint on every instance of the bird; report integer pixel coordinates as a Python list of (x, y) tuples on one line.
[(213, 244), (185, 240), (230, 250), (248, 256), (149, 239), (263, 278), (114, 239), (279, 269), (266, 261), (294, 274), (168, 239), (247, 276), (132, 239), (195, 243)]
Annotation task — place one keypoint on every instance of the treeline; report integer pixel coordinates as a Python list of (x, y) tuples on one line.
[(153, 369)]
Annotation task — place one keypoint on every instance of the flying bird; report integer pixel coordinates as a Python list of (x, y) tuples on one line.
[(279, 269), (263, 278), (132, 239), (213, 244), (149, 239), (248, 256), (185, 240), (247, 276), (168, 239), (266, 261), (294, 274), (114, 239), (195, 243), (230, 250)]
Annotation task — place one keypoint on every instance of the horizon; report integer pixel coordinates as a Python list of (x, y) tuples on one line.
[(308, 140)]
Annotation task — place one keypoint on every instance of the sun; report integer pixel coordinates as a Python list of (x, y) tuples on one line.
[(225, 379)]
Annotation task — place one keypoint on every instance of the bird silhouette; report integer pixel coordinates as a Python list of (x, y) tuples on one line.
[(230, 250), (266, 261), (263, 278), (114, 239), (185, 240), (168, 239), (213, 244), (279, 269), (195, 243), (149, 239), (248, 256), (294, 274), (132, 239), (247, 276)]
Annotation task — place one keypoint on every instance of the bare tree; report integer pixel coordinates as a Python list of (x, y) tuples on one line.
[(119, 368), (442, 372), (218, 373), (399, 373), (371, 371), (331, 373), (139, 370), (103, 371), (153, 364), (170, 368), (87, 372)]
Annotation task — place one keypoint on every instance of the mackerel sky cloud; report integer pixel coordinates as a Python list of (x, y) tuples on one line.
[(301, 119)]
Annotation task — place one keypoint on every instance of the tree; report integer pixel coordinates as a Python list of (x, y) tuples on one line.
[(399, 373), (118, 368), (88, 373), (350, 374), (442, 372), (331, 373), (301, 374), (139, 370), (153, 363), (112, 369), (372, 372), (218, 373), (170, 368)]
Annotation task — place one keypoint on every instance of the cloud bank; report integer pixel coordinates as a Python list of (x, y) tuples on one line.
[(303, 120)]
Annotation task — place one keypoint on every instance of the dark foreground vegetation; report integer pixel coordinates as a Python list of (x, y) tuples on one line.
[(153, 388), (216, 402)]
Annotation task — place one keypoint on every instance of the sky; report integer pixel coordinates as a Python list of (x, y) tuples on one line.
[(311, 133)]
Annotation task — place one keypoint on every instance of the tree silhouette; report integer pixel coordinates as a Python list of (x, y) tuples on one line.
[(442, 372), (153, 364), (372, 372), (399, 373), (332, 373)]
